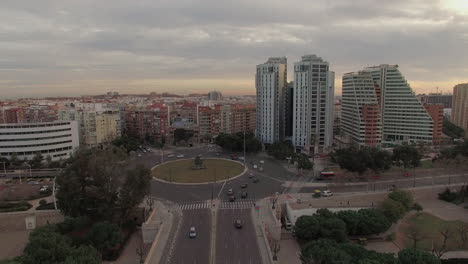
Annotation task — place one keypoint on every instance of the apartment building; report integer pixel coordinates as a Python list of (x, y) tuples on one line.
[(270, 84), (460, 106), (147, 124), (380, 108), (95, 127), (437, 98), (209, 122), (360, 113), (313, 103)]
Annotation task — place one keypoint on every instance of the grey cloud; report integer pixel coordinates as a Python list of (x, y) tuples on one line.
[(53, 41)]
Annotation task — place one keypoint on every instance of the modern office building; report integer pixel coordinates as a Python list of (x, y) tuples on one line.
[(95, 127), (313, 103), (360, 113), (385, 108), (55, 139), (270, 83), (460, 106)]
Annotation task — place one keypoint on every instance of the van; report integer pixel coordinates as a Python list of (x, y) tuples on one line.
[(286, 223)]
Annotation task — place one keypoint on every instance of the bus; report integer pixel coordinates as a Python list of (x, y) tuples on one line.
[(327, 174)]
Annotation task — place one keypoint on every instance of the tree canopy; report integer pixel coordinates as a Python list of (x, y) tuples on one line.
[(362, 159), (97, 185), (406, 156), (235, 142)]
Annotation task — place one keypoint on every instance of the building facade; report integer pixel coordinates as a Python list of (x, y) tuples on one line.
[(95, 127), (215, 96), (436, 111), (385, 109), (270, 83), (360, 112), (148, 124), (313, 103), (460, 106), (55, 139)]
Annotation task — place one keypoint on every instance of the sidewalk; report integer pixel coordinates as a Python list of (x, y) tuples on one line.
[(164, 218)]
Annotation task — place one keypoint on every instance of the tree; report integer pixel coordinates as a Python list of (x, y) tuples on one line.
[(373, 221), (324, 251), (393, 210), (363, 159), (280, 150), (406, 156), (104, 236), (441, 248), (416, 256), (452, 130), (128, 143), (134, 190), (84, 255), (235, 142), (36, 161), (15, 161), (181, 134), (415, 235), (48, 160), (89, 186), (323, 224), (402, 196), (303, 162), (462, 231)]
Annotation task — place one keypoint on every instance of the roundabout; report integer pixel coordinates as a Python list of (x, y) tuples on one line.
[(186, 171)]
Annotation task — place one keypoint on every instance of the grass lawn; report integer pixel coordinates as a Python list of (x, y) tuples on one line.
[(181, 171), (426, 164), (428, 227)]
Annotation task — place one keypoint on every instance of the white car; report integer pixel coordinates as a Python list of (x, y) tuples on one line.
[(327, 193), (139, 155), (262, 161), (192, 232), (180, 156), (170, 155), (242, 158), (260, 169), (255, 166)]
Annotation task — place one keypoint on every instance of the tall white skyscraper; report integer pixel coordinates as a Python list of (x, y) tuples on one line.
[(313, 103), (270, 83)]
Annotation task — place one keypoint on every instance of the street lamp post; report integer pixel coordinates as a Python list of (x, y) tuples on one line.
[(30, 173), (4, 167)]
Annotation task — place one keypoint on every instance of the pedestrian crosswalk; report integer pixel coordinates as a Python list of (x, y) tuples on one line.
[(239, 204), (195, 205)]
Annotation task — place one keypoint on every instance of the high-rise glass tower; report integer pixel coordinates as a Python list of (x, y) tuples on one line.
[(270, 83), (313, 103)]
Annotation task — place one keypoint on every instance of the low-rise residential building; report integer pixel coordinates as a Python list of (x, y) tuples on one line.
[(148, 124)]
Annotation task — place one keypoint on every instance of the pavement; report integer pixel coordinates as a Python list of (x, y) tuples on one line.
[(234, 245), (193, 250)]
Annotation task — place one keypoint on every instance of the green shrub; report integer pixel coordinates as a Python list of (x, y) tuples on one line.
[(448, 195), (6, 207), (42, 202)]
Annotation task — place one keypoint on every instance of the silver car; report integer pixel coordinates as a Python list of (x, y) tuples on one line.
[(192, 232)]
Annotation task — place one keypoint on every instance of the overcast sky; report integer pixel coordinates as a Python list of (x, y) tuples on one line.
[(77, 47)]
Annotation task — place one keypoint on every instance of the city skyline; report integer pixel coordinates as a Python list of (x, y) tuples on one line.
[(56, 48)]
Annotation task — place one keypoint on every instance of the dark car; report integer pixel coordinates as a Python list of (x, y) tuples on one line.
[(232, 198), (243, 186), (238, 224), (255, 180), (244, 195)]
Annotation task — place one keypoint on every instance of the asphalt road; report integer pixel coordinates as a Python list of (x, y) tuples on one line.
[(236, 246), (193, 250)]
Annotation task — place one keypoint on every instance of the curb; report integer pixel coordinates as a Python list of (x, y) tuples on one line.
[(201, 183)]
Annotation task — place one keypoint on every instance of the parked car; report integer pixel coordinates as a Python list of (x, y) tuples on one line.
[(251, 174), (170, 155), (192, 232), (262, 162), (180, 156), (244, 195), (243, 186), (327, 193), (44, 189), (238, 224), (232, 198), (233, 157), (255, 180), (255, 166), (230, 192)]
